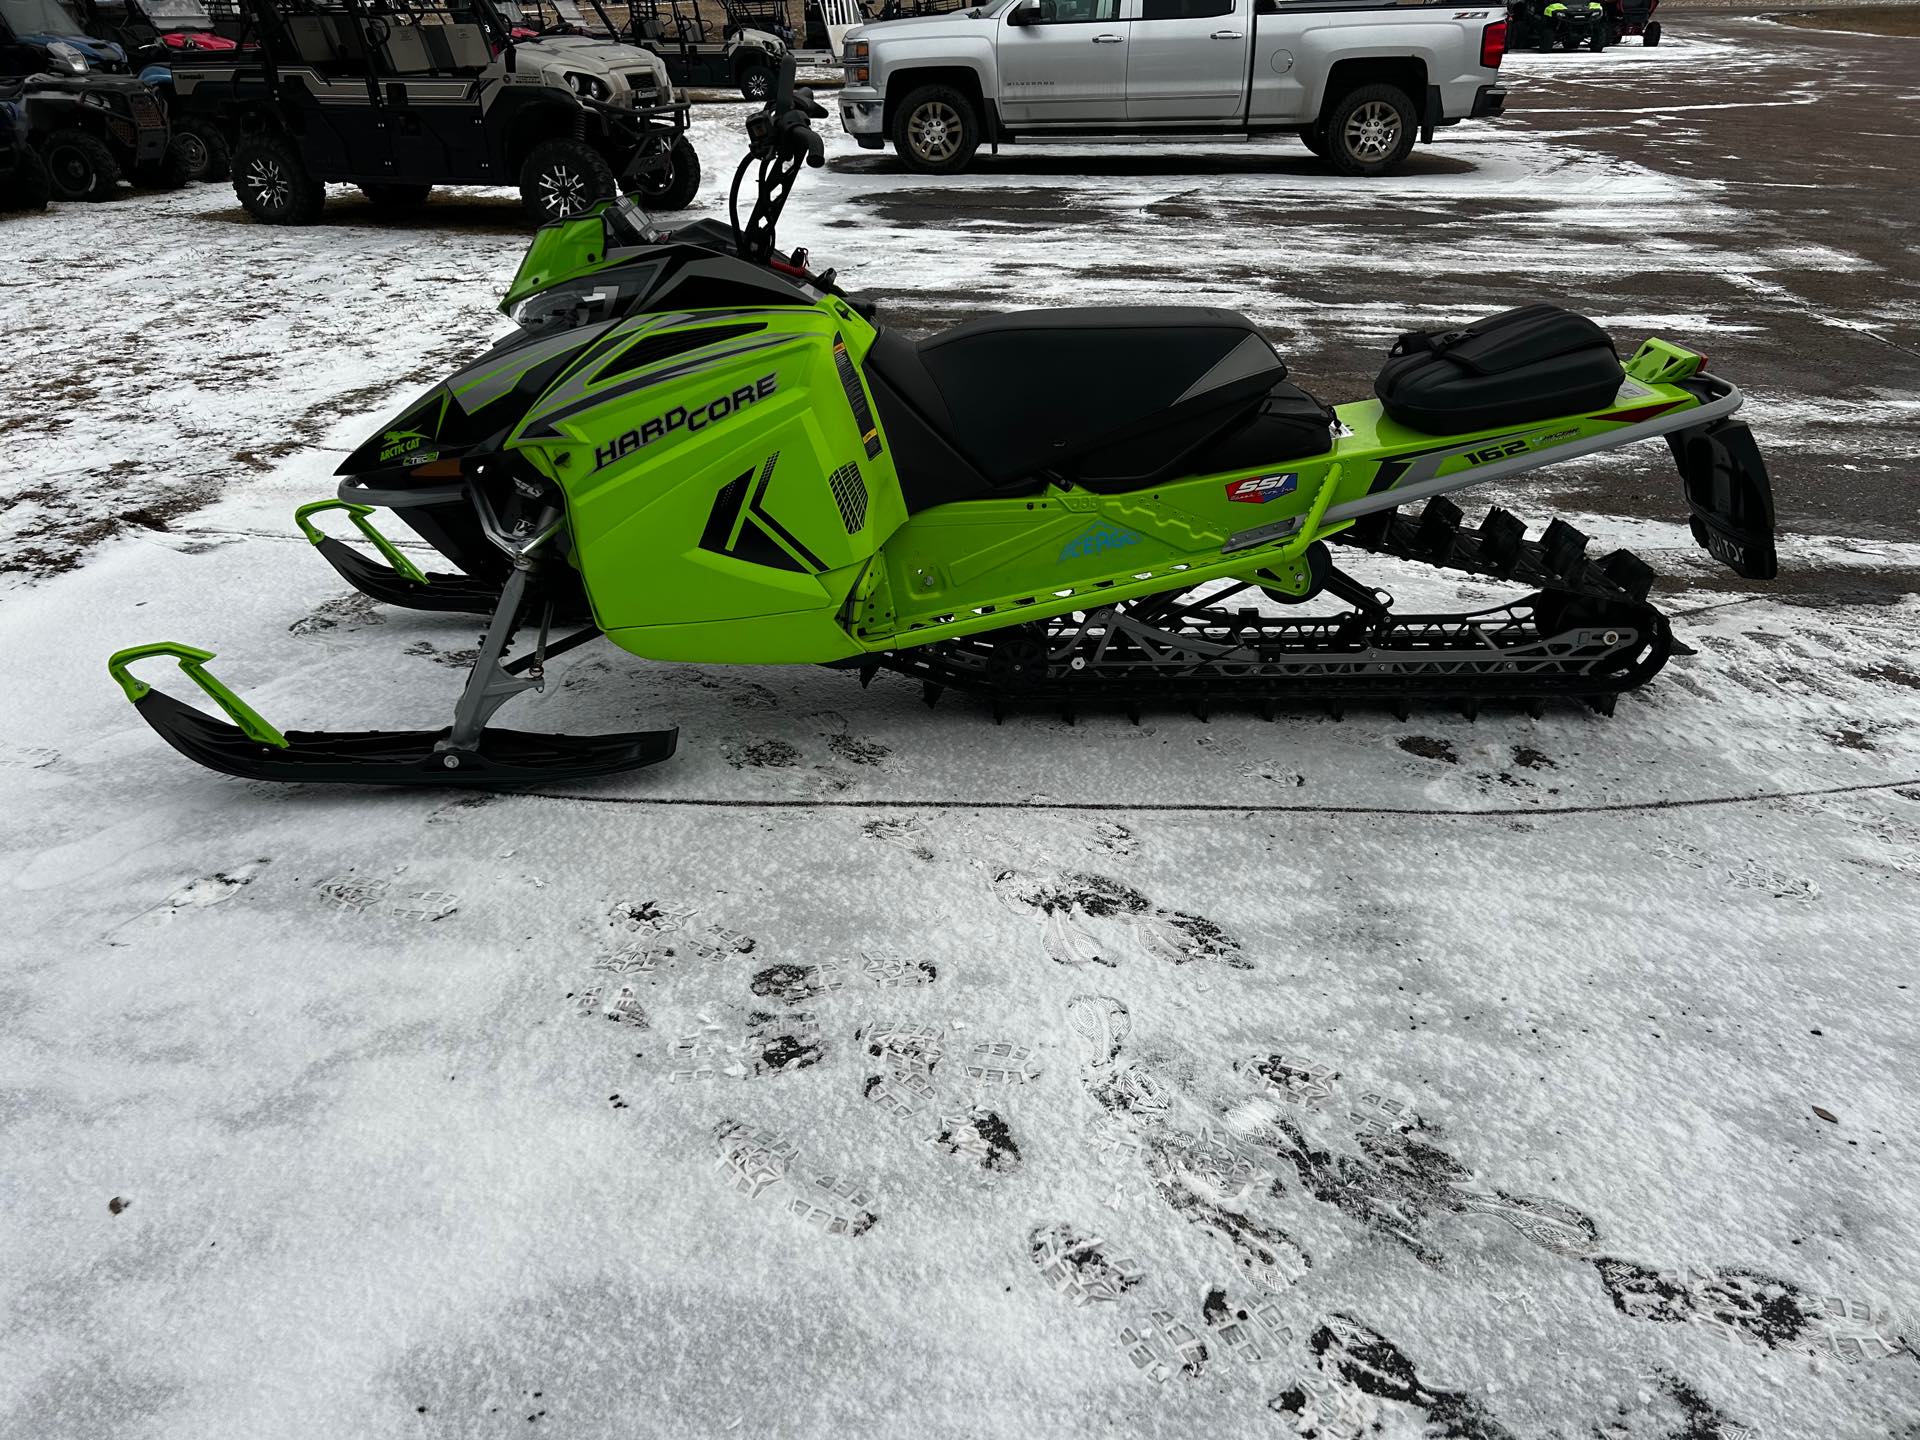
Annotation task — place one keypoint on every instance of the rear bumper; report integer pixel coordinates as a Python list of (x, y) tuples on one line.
[(1489, 101)]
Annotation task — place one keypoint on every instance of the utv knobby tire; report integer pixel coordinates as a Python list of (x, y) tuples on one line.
[(1651, 36), (1370, 130), (272, 181), (390, 195), (564, 177), (207, 150), (172, 171), (31, 186), (936, 130), (1597, 41), (756, 81), (80, 166), (674, 187)]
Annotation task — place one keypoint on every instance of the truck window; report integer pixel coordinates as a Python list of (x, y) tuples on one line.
[(1184, 9), (1078, 12)]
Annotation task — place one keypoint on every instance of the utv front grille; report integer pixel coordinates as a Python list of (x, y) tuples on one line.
[(850, 494), (146, 111), (645, 92)]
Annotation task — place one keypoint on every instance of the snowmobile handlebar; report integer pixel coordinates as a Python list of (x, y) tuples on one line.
[(780, 137)]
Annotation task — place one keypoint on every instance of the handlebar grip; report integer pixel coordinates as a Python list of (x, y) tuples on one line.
[(816, 150)]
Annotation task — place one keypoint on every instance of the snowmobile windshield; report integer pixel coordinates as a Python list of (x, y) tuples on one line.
[(39, 17), (177, 14)]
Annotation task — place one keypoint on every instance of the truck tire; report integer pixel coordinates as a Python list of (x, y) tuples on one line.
[(675, 187), (755, 80), (80, 166), (391, 196), (272, 182), (32, 187), (564, 177), (206, 149), (173, 170), (936, 130), (1370, 130)]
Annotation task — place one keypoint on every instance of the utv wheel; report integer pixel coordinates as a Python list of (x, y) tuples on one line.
[(936, 130), (80, 166), (756, 81), (1652, 35), (32, 186), (273, 184), (173, 169), (396, 197), (1370, 130), (564, 177), (206, 148), (673, 187)]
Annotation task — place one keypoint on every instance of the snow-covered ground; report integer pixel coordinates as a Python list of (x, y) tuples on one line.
[(870, 1070)]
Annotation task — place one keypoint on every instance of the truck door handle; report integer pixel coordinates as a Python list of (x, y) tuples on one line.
[(1229, 35), (1106, 39)]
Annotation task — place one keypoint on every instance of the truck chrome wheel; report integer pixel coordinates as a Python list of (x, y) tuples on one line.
[(1373, 131), (935, 131)]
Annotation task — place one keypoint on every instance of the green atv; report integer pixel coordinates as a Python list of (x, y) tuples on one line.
[(717, 455)]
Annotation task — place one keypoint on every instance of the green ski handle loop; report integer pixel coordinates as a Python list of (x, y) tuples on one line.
[(367, 528), (193, 661)]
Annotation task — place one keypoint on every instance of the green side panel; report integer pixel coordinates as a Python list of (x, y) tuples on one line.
[(738, 470)]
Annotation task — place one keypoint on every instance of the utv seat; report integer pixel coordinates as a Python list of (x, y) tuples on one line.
[(1110, 399)]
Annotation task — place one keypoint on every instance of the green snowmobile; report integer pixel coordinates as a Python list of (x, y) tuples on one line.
[(714, 454)]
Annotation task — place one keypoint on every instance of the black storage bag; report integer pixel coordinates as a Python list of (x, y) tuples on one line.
[(1534, 363)]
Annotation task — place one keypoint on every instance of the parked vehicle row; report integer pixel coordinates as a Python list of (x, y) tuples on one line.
[(1581, 24)]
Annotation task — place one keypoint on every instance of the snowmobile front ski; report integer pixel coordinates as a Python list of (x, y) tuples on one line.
[(464, 753)]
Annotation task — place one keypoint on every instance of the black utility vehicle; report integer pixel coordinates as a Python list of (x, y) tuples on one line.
[(92, 129), (24, 184), (745, 57), (152, 33), (397, 96)]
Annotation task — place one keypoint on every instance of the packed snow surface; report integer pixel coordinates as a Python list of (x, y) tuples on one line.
[(870, 1070)]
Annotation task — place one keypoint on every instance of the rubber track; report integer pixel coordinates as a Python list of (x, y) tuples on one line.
[(1438, 659)]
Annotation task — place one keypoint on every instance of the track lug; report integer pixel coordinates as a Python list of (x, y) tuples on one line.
[(1602, 704), (999, 711), (1402, 711), (1501, 536), (1265, 711), (1335, 713), (1564, 548), (930, 693), (1629, 572), (1537, 709), (868, 669), (1370, 532), (1068, 713), (1439, 528), (1133, 713), (1468, 707)]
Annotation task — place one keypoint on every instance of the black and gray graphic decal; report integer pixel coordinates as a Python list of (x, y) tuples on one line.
[(739, 526), (857, 398)]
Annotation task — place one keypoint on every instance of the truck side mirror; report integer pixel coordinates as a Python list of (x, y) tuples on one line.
[(1027, 12)]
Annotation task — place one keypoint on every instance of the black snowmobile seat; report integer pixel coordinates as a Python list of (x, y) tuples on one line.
[(1108, 397)]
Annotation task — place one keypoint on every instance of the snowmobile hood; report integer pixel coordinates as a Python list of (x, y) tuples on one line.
[(471, 411)]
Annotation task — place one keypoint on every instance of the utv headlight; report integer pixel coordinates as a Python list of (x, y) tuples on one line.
[(69, 58), (96, 100), (588, 87)]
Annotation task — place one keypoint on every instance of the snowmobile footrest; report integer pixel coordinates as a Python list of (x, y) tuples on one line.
[(502, 758)]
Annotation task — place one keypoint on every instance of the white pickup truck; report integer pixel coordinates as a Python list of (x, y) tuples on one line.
[(1355, 79)]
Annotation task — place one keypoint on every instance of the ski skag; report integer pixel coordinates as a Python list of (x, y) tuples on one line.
[(712, 454)]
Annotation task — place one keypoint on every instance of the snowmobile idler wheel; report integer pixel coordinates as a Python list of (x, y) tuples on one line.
[(173, 170), (674, 177), (80, 166), (272, 181), (1370, 130), (396, 197), (564, 177), (936, 130), (756, 82)]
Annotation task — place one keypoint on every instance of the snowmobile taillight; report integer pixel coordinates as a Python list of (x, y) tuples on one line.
[(1493, 45)]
